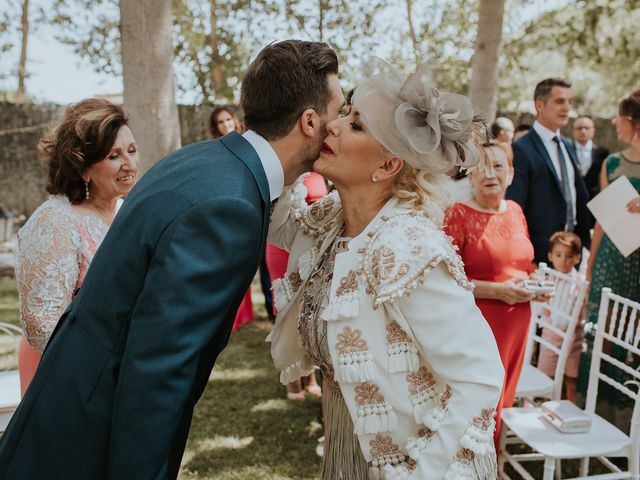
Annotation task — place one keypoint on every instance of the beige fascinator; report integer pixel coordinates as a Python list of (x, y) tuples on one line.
[(430, 130)]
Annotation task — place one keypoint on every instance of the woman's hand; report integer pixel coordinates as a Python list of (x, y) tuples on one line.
[(511, 292), (634, 205)]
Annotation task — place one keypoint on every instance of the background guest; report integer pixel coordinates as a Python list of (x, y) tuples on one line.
[(502, 130), (520, 131), (607, 266), (492, 239), (222, 121), (590, 156), (547, 183), (92, 162), (564, 254)]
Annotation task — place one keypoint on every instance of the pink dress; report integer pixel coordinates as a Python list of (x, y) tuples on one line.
[(55, 248), (276, 257)]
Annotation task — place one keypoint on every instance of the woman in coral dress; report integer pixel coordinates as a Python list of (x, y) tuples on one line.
[(493, 240), (93, 162)]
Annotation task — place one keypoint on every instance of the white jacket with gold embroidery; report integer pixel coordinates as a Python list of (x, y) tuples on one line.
[(416, 362)]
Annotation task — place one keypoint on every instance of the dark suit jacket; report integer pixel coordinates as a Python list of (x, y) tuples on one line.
[(592, 178), (537, 189), (114, 393)]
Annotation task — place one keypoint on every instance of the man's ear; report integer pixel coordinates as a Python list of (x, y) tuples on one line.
[(310, 123)]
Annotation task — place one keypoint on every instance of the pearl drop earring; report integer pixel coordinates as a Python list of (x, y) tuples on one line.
[(86, 191), (374, 178)]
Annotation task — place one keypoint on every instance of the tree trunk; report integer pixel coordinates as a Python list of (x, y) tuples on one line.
[(217, 73), (412, 33), (22, 66), (149, 81), (484, 65), (321, 8)]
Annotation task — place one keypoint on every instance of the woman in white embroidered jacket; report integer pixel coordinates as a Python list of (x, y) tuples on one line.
[(377, 297)]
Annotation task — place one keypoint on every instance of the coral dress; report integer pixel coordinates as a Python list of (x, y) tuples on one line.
[(55, 248), (495, 247)]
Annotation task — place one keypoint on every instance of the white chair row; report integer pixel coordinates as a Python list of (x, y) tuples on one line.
[(619, 325), (560, 315)]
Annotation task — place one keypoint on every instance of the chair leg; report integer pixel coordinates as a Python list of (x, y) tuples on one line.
[(549, 468), (558, 469), (584, 467)]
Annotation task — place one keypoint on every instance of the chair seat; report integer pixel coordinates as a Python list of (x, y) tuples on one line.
[(534, 383), (9, 391), (528, 424)]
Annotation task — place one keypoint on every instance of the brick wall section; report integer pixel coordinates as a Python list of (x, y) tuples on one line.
[(23, 177)]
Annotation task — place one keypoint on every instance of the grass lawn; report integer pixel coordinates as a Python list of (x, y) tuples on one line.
[(243, 426)]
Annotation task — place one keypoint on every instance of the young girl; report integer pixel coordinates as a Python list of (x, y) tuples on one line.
[(564, 255)]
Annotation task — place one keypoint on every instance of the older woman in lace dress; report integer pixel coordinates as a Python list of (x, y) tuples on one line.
[(376, 295), (92, 162)]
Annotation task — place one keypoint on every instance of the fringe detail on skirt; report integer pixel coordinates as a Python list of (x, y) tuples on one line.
[(343, 459)]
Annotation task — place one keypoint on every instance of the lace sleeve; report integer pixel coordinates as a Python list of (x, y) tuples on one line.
[(454, 225), (47, 270)]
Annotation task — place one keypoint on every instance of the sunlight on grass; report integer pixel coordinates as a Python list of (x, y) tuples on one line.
[(272, 405), (239, 374)]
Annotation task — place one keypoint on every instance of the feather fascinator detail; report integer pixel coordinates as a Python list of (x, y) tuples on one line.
[(431, 130)]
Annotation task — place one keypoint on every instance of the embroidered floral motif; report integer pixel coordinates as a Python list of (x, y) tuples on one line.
[(350, 341), (420, 380), (465, 455), (319, 210), (395, 334), (426, 432), (401, 252), (445, 397), (382, 445), (368, 394), (348, 284), (383, 260), (295, 281), (485, 420)]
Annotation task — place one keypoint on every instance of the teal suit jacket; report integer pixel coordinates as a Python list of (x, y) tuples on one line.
[(114, 393)]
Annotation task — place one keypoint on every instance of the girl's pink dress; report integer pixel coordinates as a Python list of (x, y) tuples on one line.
[(55, 248), (276, 257)]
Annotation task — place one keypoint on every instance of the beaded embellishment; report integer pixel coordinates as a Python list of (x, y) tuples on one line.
[(355, 362), (374, 414), (402, 354)]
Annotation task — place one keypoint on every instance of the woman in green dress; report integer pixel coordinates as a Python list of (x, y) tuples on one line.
[(607, 266)]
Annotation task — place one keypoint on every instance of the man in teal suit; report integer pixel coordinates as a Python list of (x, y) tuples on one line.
[(114, 394)]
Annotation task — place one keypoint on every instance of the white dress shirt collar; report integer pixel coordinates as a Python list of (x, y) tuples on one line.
[(545, 134), (586, 147), (270, 163)]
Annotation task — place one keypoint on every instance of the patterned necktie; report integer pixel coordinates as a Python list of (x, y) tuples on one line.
[(566, 188)]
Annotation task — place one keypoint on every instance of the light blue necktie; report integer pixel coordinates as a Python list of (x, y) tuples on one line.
[(566, 188)]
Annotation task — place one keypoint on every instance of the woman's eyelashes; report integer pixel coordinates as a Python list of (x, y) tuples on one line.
[(356, 126)]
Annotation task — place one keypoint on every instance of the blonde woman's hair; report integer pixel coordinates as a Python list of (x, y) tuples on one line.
[(426, 191)]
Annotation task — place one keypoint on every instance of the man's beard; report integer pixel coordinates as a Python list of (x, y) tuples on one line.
[(312, 152)]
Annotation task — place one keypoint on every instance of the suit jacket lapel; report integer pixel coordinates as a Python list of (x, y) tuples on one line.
[(242, 149), (542, 150)]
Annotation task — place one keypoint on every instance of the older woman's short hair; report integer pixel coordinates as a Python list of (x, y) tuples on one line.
[(84, 136)]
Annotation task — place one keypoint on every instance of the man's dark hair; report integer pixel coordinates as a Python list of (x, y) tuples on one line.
[(284, 80), (523, 127), (543, 89)]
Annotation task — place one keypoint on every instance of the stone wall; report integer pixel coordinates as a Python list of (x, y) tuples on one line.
[(22, 175)]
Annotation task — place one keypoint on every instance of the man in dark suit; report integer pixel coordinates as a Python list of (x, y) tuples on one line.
[(589, 155), (547, 183), (114, 394)]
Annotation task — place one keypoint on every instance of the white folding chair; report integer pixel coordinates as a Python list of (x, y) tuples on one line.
[(619, 324), (9, 380), (559, 315)]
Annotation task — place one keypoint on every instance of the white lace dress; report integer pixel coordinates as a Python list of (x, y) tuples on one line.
[(55, 248)]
